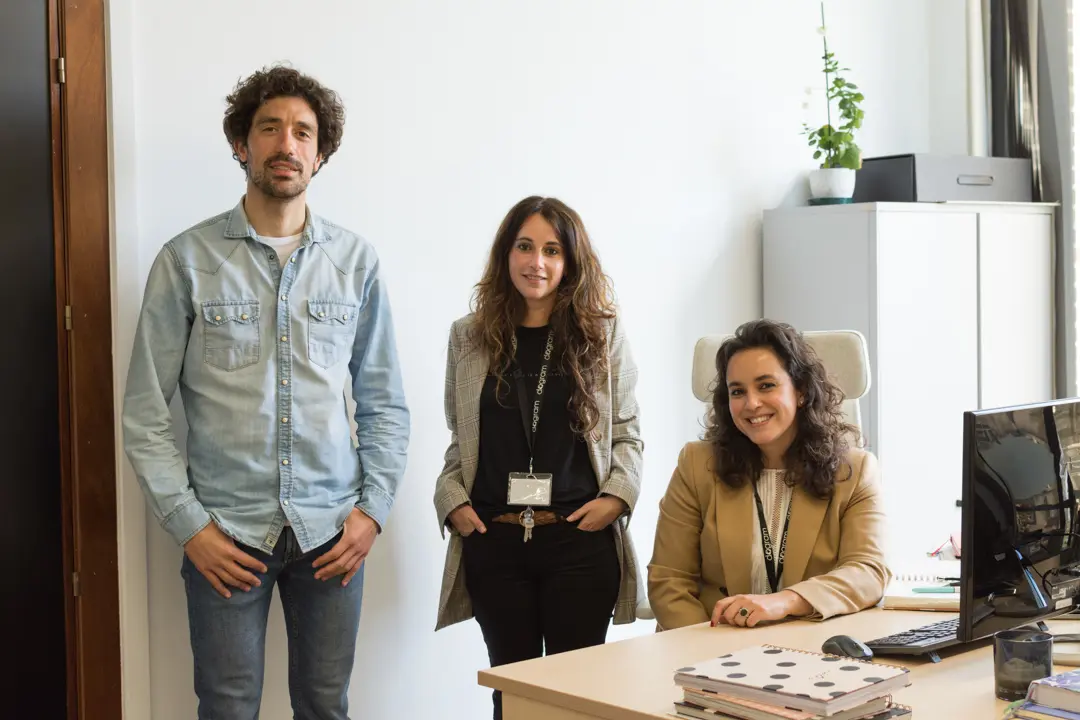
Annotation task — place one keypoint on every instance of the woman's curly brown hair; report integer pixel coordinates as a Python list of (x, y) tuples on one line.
[(583, 306), (822, 436), (280, 81)]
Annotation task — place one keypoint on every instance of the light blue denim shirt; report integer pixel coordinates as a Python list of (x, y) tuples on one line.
[(263, 357)]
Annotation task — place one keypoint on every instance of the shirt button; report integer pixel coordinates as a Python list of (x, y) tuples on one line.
[(345, 316), (284, 462), (272, 256), (284, 419), (292, 259), (322, 314), (284, 382), (244, 316), (284, 298), (217, 318), (284, 338), (285, 503)]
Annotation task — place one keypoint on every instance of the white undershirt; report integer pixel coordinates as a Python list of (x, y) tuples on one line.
[(775, 498), (285, 246)]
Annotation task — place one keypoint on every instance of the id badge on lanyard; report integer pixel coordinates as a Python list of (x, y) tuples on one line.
[(531, 489)]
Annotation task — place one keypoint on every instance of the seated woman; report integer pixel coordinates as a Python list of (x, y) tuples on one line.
[(774, 514)]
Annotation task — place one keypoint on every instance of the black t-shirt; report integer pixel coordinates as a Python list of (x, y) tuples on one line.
[(504, 447)]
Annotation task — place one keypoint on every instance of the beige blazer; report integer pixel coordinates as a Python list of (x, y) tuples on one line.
[(835, 549), (615, 451)]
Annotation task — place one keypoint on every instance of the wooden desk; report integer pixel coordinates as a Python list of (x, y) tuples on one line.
[(633, 679)]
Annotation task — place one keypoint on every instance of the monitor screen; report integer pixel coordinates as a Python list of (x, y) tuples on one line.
[(1020, 545)]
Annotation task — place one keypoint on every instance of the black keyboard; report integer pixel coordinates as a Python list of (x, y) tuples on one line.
[(918, 641)]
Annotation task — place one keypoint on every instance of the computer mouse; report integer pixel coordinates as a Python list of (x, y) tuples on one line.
[(846, 646)]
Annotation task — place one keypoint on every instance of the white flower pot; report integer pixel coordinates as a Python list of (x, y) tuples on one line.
[(832, 183)]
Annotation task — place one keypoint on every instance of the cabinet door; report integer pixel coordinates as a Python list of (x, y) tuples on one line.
[(927, 373), (1016, 286)]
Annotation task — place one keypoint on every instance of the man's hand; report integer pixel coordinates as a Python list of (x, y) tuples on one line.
[(466, 521), (760, 608), (216, 556), (348, 554), (598, 514)]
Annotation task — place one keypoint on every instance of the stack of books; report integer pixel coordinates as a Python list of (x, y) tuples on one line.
[(1054, 698), (766, 681)]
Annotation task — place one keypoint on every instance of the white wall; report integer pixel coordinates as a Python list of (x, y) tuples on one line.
[(947, 76), (668, 125)]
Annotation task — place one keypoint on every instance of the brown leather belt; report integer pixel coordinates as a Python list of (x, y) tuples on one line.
[(540, 517)]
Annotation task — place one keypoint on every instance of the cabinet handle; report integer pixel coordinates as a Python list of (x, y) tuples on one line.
[(974, 179)]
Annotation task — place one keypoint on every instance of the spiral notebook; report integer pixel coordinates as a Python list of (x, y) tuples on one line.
[(928, 574), (811, 681)]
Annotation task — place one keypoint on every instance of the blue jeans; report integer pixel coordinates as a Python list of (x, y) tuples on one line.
[(228, 637)]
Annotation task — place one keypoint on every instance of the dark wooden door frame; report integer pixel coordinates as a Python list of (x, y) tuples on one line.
[(84, 327)]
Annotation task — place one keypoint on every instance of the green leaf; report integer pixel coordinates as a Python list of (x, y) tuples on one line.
[(857, 97), (853, 86), (817, 154), (850, 157)]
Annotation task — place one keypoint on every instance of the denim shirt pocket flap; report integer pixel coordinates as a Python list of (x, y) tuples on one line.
[(330, 331), (331, 313), (231, 333), (222, 312)]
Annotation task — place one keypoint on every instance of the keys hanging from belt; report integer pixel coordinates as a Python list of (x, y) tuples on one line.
[(528, 522)]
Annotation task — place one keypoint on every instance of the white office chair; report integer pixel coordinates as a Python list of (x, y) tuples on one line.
[(844, 354)]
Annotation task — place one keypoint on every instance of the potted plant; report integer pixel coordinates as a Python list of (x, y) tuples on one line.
[(834, 180)]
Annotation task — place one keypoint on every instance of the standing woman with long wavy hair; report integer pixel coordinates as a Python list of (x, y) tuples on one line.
[(544, 462)]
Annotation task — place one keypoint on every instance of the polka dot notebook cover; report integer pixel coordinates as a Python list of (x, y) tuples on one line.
[(814, 682)]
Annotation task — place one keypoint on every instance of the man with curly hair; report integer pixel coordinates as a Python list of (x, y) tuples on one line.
[(262, 316)]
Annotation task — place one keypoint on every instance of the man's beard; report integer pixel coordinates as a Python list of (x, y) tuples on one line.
[(280, 189)]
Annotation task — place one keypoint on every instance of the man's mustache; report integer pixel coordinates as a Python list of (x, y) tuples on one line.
[(285, 159)]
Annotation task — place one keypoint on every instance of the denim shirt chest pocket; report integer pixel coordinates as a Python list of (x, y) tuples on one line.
[(331, 331), (231, 333)]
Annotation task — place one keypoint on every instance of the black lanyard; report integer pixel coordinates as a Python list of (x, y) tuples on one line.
[(773, 573), (523, 400)]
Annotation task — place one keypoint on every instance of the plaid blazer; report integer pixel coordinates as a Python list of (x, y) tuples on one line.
[(615, 450)]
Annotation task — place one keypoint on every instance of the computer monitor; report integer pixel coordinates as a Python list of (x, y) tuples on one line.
[(1020, 542)]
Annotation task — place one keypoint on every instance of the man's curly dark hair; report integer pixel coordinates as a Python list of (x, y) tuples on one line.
[(822, 437), (281, 81)]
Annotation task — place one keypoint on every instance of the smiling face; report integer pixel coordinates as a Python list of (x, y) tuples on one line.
[(537, 261), (763, 401), (282, 149)]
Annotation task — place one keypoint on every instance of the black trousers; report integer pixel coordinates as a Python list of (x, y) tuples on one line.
[(555, 593)]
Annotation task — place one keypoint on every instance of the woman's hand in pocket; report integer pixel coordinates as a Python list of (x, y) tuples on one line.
[(598, 514), (465, 521)]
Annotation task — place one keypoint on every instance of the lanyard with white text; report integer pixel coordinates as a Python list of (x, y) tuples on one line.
[(774, 573), (523, 400)]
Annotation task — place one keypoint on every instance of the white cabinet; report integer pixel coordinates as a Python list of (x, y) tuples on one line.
[(956, 303)]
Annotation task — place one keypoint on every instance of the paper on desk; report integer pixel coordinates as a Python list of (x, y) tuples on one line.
[(900, 594)]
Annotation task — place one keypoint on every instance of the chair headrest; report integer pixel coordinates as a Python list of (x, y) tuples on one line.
[(843, 352)]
